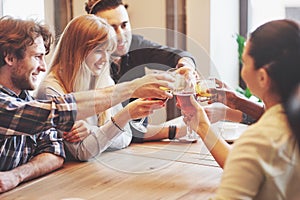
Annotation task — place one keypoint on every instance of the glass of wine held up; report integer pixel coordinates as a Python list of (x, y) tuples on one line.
[(184, 89), (139, 125)]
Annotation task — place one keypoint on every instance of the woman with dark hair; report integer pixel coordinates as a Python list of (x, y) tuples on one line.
[(264, 163)]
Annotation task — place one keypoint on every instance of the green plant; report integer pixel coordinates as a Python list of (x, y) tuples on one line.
[(241, 44)]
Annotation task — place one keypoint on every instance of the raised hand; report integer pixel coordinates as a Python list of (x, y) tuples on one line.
[(223, 94), (196, 118), (143, 107), (218, 111), (150, 86)]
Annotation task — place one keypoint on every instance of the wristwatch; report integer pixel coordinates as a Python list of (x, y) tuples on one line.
[(172, 131)]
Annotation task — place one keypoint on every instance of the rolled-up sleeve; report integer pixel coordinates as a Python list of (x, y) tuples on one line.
[(50, 142)]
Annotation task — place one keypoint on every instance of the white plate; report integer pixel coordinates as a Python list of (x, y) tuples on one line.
[(230, 131)]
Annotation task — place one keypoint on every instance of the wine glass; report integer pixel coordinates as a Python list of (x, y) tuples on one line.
[(202, 87), (184, 89), (139, 125)]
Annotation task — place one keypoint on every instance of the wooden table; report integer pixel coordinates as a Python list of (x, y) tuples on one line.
[(154, 170)]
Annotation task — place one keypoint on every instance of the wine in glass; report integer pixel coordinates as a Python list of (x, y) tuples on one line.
[(184, 89), (139, 125), (202, 87)]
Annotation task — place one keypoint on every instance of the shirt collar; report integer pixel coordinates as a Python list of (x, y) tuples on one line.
[(23, 95)]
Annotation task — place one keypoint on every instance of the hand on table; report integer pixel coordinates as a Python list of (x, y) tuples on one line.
[(8, 181)]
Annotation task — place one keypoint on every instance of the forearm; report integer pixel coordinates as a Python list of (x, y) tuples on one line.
[(255, 110), (98, 141), (159, 132), (234, 115), (156, 132), (99, 100), (39, 165), (217, 146)]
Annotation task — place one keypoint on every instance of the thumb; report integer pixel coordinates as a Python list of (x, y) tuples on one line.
[(193, 101)]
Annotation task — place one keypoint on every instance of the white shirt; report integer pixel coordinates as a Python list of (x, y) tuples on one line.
[(107, 136)]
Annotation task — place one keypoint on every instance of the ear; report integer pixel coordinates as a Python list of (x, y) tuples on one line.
[(264, 78), (9, 59)]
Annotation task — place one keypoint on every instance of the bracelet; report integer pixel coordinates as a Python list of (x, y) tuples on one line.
[(172, 132), (246, 119), (114, 122)]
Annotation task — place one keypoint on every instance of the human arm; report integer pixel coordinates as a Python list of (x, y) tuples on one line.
[(199, 122), (224, 94), (157, 132), (148, 86), (61, 111), (247, 157), (113, 135), (39, 165), (218, 111)]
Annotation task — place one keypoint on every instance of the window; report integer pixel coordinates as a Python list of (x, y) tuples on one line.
[(19, 8), (261, 12)]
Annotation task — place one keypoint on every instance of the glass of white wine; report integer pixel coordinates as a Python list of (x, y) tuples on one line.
[(202, 87)]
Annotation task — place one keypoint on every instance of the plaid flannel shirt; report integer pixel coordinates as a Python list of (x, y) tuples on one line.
[(28, 127)]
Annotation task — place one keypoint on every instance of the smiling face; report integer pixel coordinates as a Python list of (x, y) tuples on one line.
[(119, 20), (24, 72), (97, 59)]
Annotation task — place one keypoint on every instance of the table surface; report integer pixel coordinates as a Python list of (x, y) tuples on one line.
[(151, 170)]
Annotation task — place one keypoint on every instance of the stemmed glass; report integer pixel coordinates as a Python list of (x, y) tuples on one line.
[(184, 89), (139, 125)]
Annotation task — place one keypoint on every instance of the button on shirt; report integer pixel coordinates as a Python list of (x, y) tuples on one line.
[(28, 127)]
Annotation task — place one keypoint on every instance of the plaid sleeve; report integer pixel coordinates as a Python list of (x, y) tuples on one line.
[(21, 117), (50, 142)]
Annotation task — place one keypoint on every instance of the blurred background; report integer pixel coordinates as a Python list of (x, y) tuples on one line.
[(206, 28)]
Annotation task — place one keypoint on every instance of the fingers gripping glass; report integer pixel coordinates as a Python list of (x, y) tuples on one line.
[(202, 87), (184, 89), (140, 125)]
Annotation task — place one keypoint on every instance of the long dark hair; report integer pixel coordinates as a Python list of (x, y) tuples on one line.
[(276, 46), (292, 108)]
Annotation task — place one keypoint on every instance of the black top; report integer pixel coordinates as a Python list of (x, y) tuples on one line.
[(145, 53)]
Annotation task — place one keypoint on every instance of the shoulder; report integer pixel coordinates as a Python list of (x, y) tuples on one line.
[(139, 41), (137, 38), (50, 85), (267, 138)]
